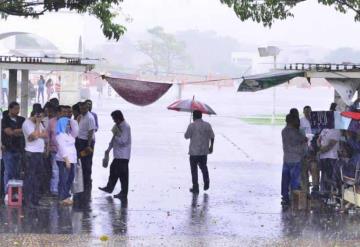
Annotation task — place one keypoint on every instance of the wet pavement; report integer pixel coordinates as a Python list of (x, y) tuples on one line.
[(242, 207)]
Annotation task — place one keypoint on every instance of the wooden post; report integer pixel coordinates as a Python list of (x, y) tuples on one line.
[(24, 92), (12, 85)]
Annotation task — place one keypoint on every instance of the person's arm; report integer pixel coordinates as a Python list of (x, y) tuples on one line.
[(212, 139), (111, 144), (32, 135), (91, 130), (327, 148), (74, 128), (188, 132)]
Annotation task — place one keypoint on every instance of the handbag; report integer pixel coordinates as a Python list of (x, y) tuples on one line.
[(78, 183)]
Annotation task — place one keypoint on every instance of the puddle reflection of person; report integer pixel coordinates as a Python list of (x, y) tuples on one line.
[(198, 215)]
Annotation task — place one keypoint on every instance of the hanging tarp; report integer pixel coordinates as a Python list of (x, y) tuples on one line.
[(138, 92), (262, 81), (346, 88)]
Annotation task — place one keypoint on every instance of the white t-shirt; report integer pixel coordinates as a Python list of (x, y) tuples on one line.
[(305, 125), (36, 146), (86, 124), (326, 136)]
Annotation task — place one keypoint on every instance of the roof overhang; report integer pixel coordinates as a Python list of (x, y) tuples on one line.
[(47, 66)]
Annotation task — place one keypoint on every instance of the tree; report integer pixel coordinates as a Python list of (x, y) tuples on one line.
[(267, 11), (101, 9), (164, 51)]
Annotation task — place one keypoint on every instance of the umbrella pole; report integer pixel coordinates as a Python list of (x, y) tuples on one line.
[(191, 114)]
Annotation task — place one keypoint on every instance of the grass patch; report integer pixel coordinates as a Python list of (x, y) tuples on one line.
[(264, 120)]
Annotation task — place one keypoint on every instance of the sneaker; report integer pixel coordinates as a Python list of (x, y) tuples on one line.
[(105, 189), (206, 186), (120, 196)]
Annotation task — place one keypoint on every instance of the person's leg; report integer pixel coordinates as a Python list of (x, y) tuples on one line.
[(285, 183), (194, 172), (63, 176), (38, 167), (295, 175), (71, 177), (8, 172), (113, 176), (204, 171), (29, 178), (54, 182), (124, 176), (304, 168), (315, 174), (86, 163)]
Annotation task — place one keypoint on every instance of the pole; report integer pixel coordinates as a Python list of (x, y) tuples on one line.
[(274, 98)]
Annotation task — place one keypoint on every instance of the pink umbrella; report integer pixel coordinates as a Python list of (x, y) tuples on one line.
[(190, 106)]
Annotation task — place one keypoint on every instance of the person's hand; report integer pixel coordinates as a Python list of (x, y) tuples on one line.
[(78, 118), (211, 149)]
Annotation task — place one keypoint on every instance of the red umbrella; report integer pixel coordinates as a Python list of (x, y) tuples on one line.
[(190, 106)]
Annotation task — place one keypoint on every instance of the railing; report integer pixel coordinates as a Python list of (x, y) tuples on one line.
[(323, 67), (46, 59)]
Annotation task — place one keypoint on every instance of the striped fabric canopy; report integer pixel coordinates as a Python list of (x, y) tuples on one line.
[(191, 105)]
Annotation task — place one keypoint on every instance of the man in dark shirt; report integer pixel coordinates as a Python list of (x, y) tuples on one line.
[(12, 142)]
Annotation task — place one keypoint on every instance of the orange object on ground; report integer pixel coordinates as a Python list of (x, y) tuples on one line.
[(15, 193)]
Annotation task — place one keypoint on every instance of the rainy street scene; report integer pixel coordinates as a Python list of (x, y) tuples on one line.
[(180, 123)]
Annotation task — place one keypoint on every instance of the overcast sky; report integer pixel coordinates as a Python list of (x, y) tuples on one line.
[(313, 24)]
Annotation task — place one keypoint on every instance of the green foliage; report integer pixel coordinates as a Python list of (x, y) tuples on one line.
[(268, 11), (101, 9), (165, 52)]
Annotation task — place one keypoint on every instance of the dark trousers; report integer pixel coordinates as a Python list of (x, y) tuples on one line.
[(200, 161), (119, 169), (291, 173), (12, 162), (33, 172), (327, 167), (66, 178), (86, 162)]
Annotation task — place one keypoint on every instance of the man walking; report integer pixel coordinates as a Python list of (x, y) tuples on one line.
[(85, 142), (201, 138), (121, 145), (294, 147), (5, 88), (12, 142)]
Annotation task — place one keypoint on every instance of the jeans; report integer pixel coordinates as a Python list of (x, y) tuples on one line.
[(41, 93), (200, 161), (290, 178), (66, 179), (33, 173), (54, 182), (119, 169), (12, 163), (86, 162)]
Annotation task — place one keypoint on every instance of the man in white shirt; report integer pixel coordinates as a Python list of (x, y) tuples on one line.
[(201, 138), (328, 143), (85, 143), (309, 163), (121, 145), (34, 133)]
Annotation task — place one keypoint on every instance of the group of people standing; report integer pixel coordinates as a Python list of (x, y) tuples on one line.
[(44, 148), (319, 153)]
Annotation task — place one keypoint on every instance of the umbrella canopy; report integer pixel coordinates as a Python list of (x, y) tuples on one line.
[(191, 105)]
